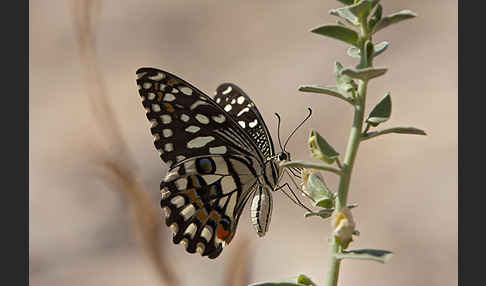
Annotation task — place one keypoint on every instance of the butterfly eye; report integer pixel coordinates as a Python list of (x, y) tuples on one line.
[(282, 156)]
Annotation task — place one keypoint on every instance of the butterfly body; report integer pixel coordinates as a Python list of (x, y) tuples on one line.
[(220, 156)]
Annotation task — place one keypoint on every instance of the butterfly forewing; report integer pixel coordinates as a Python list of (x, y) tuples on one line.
[(244, 111), (186, 122)]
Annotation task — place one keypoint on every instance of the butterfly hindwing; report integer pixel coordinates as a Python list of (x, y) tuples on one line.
[(203, 198), (244, 111)]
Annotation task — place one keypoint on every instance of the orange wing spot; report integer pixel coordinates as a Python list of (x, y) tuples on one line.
[(202, 216), (224, 234), (172, 81), (159, 96), (169, 107), (193, 197), (195, 182), (215, 216)]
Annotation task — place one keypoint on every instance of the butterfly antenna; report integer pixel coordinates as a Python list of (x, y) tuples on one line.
[(278, 131), (298, 126)]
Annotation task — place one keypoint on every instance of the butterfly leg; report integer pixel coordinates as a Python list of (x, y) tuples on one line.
[(295, 198)]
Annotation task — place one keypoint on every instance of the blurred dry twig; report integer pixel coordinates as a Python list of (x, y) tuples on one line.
[(238, 269), (120, 171)]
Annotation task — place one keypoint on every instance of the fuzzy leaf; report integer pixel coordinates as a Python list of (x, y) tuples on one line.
[(318, 191), (329, 90), (380, 48), (398, 130), (276, 284), (366, 254), (338, 32), (381, 112), (347, 2), (305, 280), (354, 12), (321, 149), (393, 19), (354, 52), (364, 74), (376, 17), (344, 82)]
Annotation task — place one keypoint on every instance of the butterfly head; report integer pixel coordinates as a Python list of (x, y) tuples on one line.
[(283, 156)]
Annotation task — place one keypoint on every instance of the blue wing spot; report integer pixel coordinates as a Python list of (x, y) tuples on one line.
[(205, 166)]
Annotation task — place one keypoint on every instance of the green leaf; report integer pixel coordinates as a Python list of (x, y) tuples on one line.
[(305, 280), (366, 254), (324, 213), (338, 32), (321, 149), (310, 165), (393, 19), (347, 2), (276, 284), (375, 18), (366, 60), (381, 112), (354, 52), (364, 74), (344, 82), (380, 48), (399, 130), (318, 191), (355, 12), (329, 90)]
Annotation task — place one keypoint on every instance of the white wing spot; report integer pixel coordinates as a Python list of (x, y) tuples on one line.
[(158, 76), (169, 147), (192, 129), (228, 90), (253, 123), (191, 230), (151, 95), (167, 133), (222, 201), (166, 119), (228, 107), (155, 107), (174, 227), (139, 75), (181, 184), (147, 85), (202, 118), (180, 158), (197, 103), (199, 142), (174, 90), (188, 211), (241, 99), (246, 109), (165, 194), (242, 123), (169, 97), (218, 100), (177, 201), (207, 233), (162, 86), (233, 101), (154, 122), (200, 248), (219, 119), (218, 150), (166, 211), (184, 117), (186, 90)]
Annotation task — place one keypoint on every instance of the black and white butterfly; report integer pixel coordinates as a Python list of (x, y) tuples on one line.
[(220, 156)]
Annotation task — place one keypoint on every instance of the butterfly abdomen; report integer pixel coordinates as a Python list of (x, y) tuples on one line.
[(261, 210)]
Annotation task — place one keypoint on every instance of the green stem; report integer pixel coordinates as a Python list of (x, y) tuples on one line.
[(351, 152)]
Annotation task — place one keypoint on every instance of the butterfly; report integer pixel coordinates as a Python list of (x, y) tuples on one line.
[(220, 156)]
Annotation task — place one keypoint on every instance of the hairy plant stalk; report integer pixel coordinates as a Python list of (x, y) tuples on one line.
[(349, 159)]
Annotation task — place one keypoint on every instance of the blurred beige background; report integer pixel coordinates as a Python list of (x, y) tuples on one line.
[(81, 231)]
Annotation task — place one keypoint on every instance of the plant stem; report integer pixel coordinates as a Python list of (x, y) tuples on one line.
[(351, 152)]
